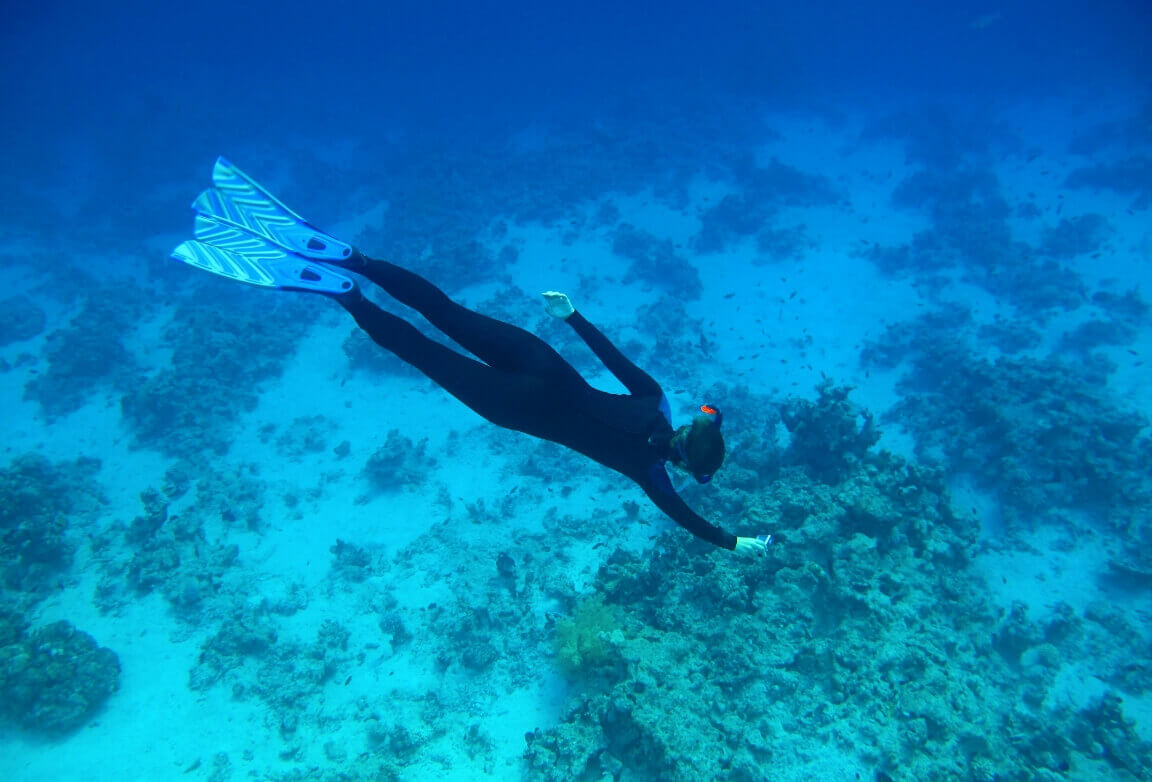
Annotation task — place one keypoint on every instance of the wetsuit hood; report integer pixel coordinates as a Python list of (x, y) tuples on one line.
[(700, 446)]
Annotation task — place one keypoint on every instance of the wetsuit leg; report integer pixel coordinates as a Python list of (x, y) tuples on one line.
[(509, 399), (498, 344)]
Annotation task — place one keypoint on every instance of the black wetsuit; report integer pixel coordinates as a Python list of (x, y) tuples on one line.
[(521, 383)]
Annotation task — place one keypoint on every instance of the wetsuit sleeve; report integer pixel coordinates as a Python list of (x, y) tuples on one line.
[(659, 489), (635, 379)]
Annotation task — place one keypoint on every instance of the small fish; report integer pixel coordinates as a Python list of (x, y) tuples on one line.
[(347, 681)]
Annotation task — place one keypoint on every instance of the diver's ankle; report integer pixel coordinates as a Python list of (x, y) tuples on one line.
[(356, 262)]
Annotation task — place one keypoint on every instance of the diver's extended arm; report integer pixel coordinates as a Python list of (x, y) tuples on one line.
[(636, 380), (659, 489)]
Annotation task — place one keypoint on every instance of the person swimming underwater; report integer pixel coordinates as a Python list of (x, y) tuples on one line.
[(516, 381)]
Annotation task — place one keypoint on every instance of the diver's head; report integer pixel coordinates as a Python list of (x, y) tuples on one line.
[(699, 447)]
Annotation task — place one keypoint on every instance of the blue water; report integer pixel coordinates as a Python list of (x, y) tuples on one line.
[(906, 249)]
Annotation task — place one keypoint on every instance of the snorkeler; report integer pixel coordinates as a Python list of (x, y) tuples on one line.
[(519, 382)]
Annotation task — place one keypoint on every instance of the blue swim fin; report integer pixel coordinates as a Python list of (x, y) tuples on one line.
[(230, 252), (240, 201)]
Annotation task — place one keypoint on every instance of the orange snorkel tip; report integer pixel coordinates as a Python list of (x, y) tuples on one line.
[(714, 412)]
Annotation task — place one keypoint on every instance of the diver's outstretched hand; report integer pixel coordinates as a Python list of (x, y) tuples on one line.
[(557, 304), (747, 546)]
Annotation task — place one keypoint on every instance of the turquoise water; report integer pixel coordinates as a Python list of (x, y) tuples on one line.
[(906, 250)]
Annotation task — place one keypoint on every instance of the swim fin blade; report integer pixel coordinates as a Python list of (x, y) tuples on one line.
[(240, 201), (230, 252)]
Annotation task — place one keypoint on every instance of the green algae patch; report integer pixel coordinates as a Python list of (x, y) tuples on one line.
[(588, 642)]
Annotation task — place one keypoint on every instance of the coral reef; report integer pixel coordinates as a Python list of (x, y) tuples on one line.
[(55, 678), (305, 435), (1045, 434), (1125, 134), (20, 319), (398, 463), (173, 554), (781, 244), (1129, 307), (762, 192), (863, 630), (442, 196), (674, 341), (971, 233), (939, 139), (350, 562), (88, 355), (38, 502), (234, 496), (1131, 176), (1009, 423), (655, 263), (1074, 236), (244, 635), (1103, 733), (829, 436), (1096, 333), (733, 217), (188, 409), (1113, 645)]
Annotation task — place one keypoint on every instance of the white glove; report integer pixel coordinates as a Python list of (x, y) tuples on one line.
[(557, 304), (746, 546)]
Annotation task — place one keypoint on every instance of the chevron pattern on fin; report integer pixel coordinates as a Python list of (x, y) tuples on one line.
[(259, 264), (239, 200), (234, 239), (225, 263), (232, 180)]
